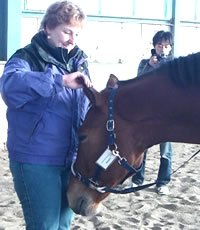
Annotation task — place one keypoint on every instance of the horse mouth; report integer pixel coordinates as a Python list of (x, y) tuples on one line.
[(82, 206), (81, 202), (85, 208)]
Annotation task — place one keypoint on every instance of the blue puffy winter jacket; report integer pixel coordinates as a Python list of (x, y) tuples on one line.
[(43, 116)]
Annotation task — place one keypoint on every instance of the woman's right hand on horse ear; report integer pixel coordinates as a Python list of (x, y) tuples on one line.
[(76, 80)]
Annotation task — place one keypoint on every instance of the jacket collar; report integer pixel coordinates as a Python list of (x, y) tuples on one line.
[(55, 55)]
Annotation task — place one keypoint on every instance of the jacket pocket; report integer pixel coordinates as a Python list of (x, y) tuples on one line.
[(35, 126), (26, 125)]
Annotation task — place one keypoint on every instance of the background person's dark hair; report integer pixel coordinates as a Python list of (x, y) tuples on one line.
[(162, 35)]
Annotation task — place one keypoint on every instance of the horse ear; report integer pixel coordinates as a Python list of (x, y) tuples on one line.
[(93, 95), (112, 81)]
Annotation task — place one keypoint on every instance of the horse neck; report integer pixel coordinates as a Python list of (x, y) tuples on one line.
[(158, 111)]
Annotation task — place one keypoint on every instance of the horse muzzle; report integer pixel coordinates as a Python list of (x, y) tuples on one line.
[(82, 202)]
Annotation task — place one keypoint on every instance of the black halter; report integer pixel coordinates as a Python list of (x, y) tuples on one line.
[(93, 182)]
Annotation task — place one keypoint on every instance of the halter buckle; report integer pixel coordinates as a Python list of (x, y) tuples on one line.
[(110, 125)]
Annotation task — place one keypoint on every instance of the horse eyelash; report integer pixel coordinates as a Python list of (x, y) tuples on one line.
[(82, 138)]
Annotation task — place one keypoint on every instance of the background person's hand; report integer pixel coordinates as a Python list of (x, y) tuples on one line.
[(153, 61), (72, 80)]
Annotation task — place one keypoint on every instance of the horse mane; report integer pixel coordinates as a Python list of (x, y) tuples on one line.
[(183, 71)]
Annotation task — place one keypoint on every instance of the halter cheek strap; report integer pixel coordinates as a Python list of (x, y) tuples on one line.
[(110, 124)]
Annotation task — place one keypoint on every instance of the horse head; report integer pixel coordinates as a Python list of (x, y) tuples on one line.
[(161, 105), (90, 172)]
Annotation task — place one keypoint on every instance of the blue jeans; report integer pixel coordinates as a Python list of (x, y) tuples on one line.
[(165, 169), (41, 190)]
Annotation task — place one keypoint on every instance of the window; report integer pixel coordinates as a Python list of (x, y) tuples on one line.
[(198, 11), (193, 10), (154, 9), (89, 6), (120, 8), (151, 9), (37, 5), (189, 14)]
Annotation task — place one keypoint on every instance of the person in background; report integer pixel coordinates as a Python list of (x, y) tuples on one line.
[(45, 106), (162, 43)]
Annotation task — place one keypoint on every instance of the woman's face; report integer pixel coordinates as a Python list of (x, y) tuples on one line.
[(63, 35), (163, 48)]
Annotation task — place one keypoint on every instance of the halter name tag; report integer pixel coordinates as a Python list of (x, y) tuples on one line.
[(106, 159)]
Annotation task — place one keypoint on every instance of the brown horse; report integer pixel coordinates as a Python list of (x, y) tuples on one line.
[(160, 106)]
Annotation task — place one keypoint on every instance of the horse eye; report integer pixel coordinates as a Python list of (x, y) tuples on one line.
[(82, 138)]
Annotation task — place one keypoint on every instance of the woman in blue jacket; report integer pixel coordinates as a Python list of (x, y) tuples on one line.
[(45, 106)]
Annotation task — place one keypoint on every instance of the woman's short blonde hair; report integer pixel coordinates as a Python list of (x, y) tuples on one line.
[(62, 12)]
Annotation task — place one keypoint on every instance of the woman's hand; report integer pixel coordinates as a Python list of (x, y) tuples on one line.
[(76, 80)]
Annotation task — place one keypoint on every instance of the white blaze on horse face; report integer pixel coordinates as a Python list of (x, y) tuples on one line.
[(106, 159)]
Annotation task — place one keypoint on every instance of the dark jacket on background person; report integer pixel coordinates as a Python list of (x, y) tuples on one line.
[(145, 67), (43, 116)]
